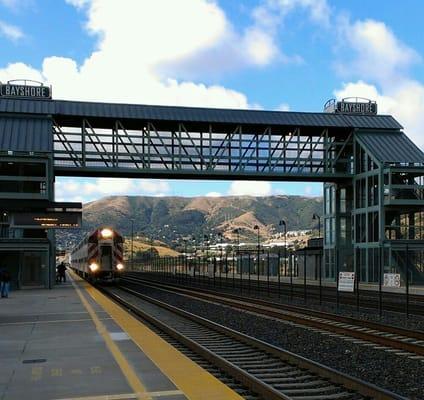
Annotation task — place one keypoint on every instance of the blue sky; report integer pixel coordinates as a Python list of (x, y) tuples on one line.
[(270, 54)]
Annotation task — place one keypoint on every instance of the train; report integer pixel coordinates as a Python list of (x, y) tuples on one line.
[(99, 256)]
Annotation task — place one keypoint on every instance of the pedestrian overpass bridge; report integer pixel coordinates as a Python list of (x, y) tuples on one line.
[(98, 139), (373, 173)]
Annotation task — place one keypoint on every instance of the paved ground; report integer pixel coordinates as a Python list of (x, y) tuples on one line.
[(61, 344)]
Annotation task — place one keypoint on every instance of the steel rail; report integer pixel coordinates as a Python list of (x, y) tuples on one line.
[(402, 339), (291, 383), (393, 302)]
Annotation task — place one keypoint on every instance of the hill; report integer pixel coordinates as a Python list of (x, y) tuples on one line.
[(175, 219)]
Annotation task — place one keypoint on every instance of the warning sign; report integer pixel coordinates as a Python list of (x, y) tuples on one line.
[(346, 281), (392, 280)]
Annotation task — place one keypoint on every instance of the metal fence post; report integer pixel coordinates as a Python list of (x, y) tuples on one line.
[(267, 272), (249, 276), (279, 274), (258, 271), (304, 275), (380, 283), (291, 276), (240, 263), (234, 276), (214, 271), (226, 268), (407, 281), (337, 278), (320, 274)]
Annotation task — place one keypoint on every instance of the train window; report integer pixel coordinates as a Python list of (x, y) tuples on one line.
[(106, 250)]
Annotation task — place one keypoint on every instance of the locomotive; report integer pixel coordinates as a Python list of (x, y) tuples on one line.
[(99, 256)]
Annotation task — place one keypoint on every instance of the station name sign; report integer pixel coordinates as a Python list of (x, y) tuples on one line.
[(348, 107), (24, 91)]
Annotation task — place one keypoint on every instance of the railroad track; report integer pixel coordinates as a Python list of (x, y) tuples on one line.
[(386, 337), (269, 371), (368, 298)]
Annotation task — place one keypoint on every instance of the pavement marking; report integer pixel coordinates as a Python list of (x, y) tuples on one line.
[(194, 381), (54, 321), (36, 374), (128, 396), (124, 365)]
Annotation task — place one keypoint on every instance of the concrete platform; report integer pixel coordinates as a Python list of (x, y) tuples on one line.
[(72, 342)]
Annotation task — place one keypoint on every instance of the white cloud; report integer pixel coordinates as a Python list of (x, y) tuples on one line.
[(308, 190), (405, 101), (89, 190), (10, 3), (147, 38), (272, 12), (78, 3), (250, 188), (11, 32), (213, 194), (283, 107), (377, 53), (165, 45), (381, 62), (259, 46)]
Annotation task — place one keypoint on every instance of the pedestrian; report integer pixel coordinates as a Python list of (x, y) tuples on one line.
[(4, 282), (61, 272)]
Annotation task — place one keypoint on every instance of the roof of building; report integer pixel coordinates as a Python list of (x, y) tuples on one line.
[(391, 147), (26, 134), (70, 110)]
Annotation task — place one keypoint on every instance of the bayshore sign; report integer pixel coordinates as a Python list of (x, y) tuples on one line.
[(15, 89), (351, 105)]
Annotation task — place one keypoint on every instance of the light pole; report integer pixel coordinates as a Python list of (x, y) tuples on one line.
[(256, 227), (317, 217), (283, 223), (220, 257)]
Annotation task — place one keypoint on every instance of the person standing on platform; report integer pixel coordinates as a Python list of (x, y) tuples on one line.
[(4, 282), (61, 272)]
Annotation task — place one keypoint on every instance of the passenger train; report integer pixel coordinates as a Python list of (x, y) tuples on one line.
[(99, 256)]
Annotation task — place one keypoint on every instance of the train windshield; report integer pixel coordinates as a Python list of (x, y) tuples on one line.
[(106, 257)]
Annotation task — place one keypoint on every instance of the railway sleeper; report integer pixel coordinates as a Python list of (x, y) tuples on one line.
[(284, 377), (295, 385), (335, 396), (321, 390)]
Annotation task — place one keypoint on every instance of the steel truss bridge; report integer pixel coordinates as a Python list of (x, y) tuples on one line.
[(97, 139), (239, 152)]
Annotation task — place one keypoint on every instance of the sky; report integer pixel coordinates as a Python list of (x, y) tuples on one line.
[(262, 54)]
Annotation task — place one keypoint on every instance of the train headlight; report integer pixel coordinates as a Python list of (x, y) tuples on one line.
[(106, 233), (93, 267), (120, 267)]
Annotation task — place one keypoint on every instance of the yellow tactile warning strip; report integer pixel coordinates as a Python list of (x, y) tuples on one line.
[(195, 382), (123, 363)]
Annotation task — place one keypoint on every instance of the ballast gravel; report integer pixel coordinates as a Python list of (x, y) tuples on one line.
[(397, 373)]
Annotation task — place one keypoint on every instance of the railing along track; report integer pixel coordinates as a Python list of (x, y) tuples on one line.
[(383, 335)]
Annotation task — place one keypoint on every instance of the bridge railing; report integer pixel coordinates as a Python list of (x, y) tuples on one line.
[(236, 151)]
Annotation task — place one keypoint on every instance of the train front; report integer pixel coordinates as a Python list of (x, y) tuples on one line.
[(105, 254)]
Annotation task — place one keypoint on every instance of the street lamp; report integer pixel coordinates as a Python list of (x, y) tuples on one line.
[(317, 217), (283, 223), (256, 227)]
